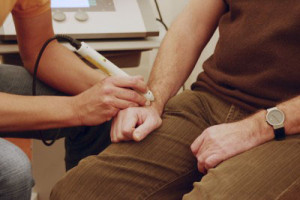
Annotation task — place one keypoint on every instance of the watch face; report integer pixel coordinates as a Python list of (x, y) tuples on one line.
[(275, 117)]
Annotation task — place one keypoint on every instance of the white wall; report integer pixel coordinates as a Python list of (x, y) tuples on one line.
[(170, 9)]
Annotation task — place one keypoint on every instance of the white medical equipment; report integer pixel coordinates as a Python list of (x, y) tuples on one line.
[(97, 19)]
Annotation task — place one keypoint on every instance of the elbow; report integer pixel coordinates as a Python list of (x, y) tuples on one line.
[(29, 54), (28, 64), (28, 58)]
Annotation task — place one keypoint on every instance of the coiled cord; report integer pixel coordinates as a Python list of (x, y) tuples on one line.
[(76, 44)]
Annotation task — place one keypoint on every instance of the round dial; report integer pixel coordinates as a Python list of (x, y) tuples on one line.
[(275, 117)]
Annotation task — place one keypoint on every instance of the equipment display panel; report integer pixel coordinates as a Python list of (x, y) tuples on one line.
[(86, 5)]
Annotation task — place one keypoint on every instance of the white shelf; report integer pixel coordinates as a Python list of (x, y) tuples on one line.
[(102, 45)]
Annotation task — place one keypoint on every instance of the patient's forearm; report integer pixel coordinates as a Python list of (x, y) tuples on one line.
[(35, 113), (291, 124), (181, 48)]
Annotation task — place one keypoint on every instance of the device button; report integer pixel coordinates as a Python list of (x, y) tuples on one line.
[(81, 16), (59, 16)]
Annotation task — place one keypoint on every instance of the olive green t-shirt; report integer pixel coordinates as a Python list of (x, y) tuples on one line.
[(256, 63)]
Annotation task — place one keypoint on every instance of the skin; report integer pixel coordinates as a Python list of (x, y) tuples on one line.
[(97, 97), (196, 25), (220, 142)]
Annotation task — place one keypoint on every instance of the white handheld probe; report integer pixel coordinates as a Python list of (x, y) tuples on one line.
[(105, 65)]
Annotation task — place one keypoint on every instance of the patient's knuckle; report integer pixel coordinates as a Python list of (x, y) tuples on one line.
[(200, 160), (208, 164)]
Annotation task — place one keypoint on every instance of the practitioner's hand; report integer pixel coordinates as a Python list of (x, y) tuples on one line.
[(134, 124), (221, 142), (103, 101)]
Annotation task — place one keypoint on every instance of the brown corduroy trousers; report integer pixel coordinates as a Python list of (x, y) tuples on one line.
[(163, 167)]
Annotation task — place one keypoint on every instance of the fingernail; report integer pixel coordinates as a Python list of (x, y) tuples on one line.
[(137, 136)]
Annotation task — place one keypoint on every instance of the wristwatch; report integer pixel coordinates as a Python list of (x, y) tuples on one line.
[(275, 118)]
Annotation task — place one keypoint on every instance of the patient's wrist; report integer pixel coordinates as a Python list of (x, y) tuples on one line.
[(159, 107)]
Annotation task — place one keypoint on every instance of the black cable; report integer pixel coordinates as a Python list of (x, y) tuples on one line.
[(160, 19), (76, 44)]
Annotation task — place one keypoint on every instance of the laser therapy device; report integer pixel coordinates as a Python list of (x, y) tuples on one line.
[(105, 65)]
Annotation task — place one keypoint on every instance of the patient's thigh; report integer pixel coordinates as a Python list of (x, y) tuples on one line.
[(159, 167), (269, 171)]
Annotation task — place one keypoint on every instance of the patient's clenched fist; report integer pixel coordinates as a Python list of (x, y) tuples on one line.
[(134, 124)]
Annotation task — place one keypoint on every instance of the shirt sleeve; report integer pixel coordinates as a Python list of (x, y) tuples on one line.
[(30, 8)]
